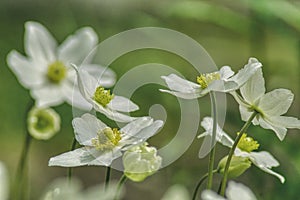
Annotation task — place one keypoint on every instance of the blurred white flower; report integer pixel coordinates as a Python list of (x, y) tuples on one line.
[(234, 191), (269, 106), (4, 185), (219, 81), (176, 192), (140, 162), (102, 100), (262, 159), (43, 123), (103, 144), (63, 189), (46, 70)]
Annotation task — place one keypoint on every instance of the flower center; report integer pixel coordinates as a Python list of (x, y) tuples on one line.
[(247, 144), (107, 139), (57, 71), (205, 79), (103, 96)]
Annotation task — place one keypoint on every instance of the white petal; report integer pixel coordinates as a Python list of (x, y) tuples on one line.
[(211, 195), (39, 43), (77, 47), (247, 72), (113, 115), (179, 84), (221, 86), (78, 157), (283, 121), (105, 158), (254, 88), (27, 74), (48, 95), (240, 100), (149, 131), (73, 97), (279, 130), (238, 191), (269, 171), (276, 102), (222, 137), (122, 104), (226, 72), (184, 95), (87, 84), (176, 192), (135, 126), (263, 159), (105, 76), (86, 127)]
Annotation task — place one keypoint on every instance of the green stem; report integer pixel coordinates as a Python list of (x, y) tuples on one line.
[(19, 181), (107, 177), (231, 152), (70, 169), (200, 183), (120, 185), (213, 141)]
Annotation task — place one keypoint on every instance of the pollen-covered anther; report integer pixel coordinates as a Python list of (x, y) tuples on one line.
[(102, 96), (57, 71), (107, 139), (247, 144), (205, 79)]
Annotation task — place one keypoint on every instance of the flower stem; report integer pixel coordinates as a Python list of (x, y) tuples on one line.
[(213, 141), (120, 185), (200, 183), (70, 169), (231, 152), (19, 181), (107, 177)]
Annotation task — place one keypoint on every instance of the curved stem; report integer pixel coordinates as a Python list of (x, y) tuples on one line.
[(213, 140), (70, 169), (231, 152), (107, 177), (120, 185), (200, 183)]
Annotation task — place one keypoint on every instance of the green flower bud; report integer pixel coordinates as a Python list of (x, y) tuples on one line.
[(140, 162), (238, 166), (43, 123)]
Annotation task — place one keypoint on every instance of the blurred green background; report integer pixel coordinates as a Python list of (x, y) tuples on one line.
[(231, 31)]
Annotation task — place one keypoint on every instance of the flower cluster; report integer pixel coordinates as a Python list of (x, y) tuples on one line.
[(55, 74)]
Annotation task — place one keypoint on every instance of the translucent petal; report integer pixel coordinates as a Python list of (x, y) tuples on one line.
[(179, 84), (184, 95), (39, 43), (104, 75), (276, 102), (283, 121), (279, 130), (86, 127), (122, 104), (77, 47), (48, 95), (254, 88), (226, 72), (238, 191), (25, 71)]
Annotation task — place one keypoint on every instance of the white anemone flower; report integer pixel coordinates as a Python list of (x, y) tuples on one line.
[(269, 106), (234, 191), (102, 100), (46, 70), (223, 80), (262, 159), (103, 144)]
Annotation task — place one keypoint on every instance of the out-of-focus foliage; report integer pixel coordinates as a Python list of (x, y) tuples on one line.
[(231, 31)]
